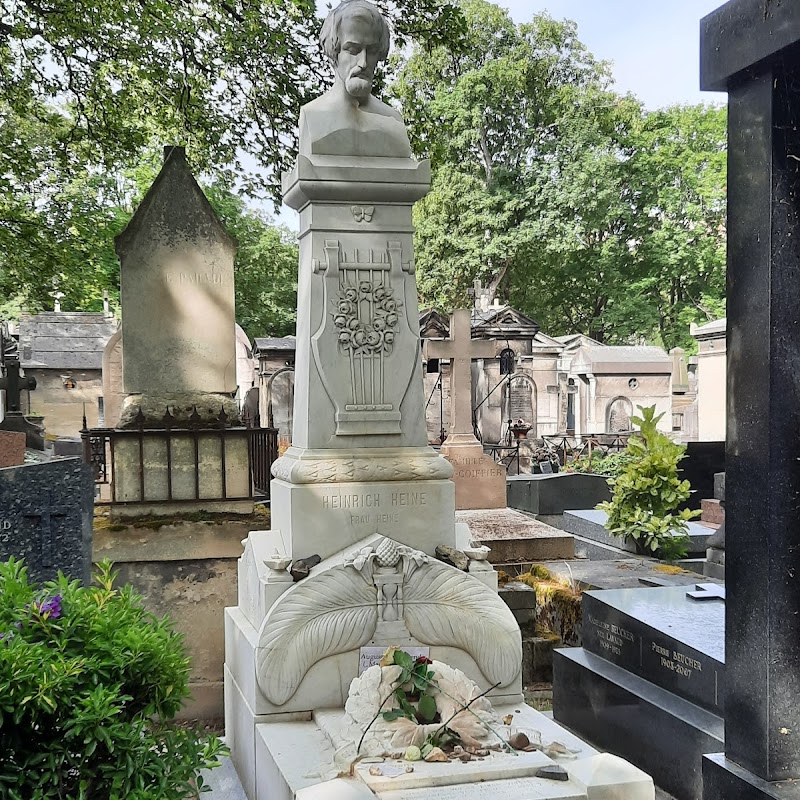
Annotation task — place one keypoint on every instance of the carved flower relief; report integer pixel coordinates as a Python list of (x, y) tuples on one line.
[(366, 336)]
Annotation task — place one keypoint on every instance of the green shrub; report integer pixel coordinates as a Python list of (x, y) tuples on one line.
[(647, 493), (609, 464), (88, 683)]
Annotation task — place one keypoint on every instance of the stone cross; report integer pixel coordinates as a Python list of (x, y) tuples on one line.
[(751, 50), (44, 518), (14, 384), (460, 348)]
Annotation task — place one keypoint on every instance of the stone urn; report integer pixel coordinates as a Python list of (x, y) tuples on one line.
[(520, 429)]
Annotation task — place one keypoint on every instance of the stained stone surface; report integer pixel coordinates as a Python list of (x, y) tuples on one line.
[(515, 537), (176, 283), (46, 518), (12, 448)]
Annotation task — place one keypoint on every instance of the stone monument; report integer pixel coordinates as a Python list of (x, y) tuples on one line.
[(480, 481), (177, 297), (360, 503), (177, 356), (751, 50)]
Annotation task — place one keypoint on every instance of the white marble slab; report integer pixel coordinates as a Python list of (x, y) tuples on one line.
[(514, 789)]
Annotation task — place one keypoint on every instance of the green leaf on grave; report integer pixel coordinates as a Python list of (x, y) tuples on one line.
[(427, 707)]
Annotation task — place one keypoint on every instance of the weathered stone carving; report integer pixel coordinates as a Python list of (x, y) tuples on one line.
[(341, 608)]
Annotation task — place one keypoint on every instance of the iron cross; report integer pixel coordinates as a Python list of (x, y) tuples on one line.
[(13, 383), (44, 519)]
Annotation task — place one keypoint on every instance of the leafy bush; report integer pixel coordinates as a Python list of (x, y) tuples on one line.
[(88, 682), (648, 491), (609, 464)]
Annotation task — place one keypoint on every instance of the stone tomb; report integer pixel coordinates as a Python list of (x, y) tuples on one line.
[(360, 490), (648, 683), (46, 518), (590, 524)]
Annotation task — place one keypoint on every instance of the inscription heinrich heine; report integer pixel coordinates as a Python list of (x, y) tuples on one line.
[(373, 508)]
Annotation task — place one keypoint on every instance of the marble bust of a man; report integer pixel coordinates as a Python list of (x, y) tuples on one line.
[(348, 120)]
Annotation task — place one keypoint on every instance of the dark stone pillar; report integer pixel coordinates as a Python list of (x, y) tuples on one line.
[(750, 49)]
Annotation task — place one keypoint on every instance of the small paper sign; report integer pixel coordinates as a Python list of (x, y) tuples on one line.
[(370, 656)]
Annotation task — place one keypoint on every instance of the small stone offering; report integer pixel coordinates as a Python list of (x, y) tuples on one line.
[(553, 772)]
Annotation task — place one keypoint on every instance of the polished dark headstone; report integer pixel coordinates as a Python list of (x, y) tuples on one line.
[(46, 518), (554, 494), (751, 49), (617, 711), (662, 636)]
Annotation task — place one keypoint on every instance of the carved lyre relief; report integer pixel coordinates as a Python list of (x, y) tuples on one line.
[(368, 321)]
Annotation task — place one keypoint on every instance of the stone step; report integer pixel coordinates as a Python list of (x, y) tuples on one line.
[(713, 511), (663, 636), (590, 524), (662, 734), (516, 538)]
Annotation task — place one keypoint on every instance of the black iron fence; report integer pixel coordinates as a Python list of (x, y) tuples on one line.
[(183, 464), (568, 448)]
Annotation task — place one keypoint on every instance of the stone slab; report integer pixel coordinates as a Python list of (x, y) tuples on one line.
[(12, 448), (724, 779), (590, 523), (662, 734), (516, 538), (176, 286), (719, 486), (480, 481), (713, 512), (622, 573), (662, 636), (46, 518), (554, 494)]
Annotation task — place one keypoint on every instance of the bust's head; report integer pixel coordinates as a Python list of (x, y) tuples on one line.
[(355, 37)]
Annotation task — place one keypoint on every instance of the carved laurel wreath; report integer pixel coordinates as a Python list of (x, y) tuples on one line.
[(338, 610)]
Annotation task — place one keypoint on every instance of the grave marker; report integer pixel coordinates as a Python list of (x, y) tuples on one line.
[(480, 481), (46, 518), (751, 49)]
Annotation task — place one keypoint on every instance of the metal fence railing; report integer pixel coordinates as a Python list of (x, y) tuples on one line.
[(188, 464)]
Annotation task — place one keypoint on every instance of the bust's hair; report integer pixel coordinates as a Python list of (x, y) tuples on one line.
[(329, 36)]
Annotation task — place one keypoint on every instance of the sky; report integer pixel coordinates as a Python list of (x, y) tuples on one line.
[(653, 47)]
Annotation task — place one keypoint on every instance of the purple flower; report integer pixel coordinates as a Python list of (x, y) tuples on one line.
[(50, 608)]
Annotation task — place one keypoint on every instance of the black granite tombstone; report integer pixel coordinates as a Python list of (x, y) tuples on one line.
[(751, 49), (46, 518), (648, 683)]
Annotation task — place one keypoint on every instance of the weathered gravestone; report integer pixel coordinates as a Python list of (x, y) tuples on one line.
[(46, 518), (177, 296), (14, 382), (751, 49), (480, 481)]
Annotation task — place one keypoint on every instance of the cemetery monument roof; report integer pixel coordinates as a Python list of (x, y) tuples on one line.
[(607, 359), (67, 340)]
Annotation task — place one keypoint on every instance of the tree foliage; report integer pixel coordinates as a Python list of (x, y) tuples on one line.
[(577, 205), (226, 78)]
